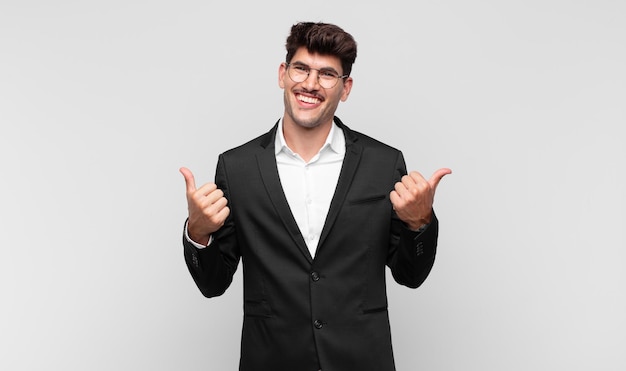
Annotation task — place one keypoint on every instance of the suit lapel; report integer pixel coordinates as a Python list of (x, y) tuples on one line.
[(350, 164), (266, 160)]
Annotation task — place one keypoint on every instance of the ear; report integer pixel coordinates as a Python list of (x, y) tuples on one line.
[(347, 87), (282, 70)]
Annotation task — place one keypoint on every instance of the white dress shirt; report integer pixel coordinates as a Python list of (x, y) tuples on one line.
[(308, 186)]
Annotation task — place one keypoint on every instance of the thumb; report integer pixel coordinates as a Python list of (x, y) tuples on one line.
[(189, 179), (437, 176)]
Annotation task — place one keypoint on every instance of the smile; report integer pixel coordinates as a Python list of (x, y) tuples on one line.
[(309, 100)]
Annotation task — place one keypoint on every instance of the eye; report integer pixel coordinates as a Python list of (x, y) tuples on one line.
[(300, 68), (327, 74)]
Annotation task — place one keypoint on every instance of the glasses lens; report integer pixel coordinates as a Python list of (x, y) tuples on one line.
[(326, 79), (298, 73)]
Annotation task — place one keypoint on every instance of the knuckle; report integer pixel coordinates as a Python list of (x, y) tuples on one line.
[(215, 219)]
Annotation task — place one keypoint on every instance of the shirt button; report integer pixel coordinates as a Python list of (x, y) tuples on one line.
[(315, 276), (318, 324)]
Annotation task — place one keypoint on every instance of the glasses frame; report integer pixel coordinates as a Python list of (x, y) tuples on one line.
[(309, 69)]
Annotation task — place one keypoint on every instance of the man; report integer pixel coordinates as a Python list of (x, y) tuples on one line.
[(316, 212)]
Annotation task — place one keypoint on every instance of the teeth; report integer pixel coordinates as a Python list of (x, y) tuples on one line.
[(308, 99)]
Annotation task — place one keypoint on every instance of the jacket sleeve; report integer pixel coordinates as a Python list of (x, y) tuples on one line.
[(212, 268), (411, 254)]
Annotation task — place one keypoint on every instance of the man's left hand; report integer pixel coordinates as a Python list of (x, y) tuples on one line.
[(412, 197)]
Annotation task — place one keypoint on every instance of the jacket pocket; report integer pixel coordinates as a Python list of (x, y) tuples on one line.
[(366, 199), (375, 310), (257, 308)]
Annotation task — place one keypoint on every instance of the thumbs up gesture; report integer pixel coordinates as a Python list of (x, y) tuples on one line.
[(413, 196), (207, 208)]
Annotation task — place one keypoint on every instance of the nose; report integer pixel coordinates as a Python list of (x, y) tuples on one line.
[(312, 80)]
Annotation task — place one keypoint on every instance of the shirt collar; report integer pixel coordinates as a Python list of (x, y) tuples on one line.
[(335, 140)]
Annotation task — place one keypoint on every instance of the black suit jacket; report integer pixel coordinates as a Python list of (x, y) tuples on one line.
[(303, 313)]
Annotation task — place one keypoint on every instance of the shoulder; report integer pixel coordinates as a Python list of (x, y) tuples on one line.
[(370, 142), (365, 141)]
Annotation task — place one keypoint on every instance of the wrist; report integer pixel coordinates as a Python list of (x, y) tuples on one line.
[(199, 239)]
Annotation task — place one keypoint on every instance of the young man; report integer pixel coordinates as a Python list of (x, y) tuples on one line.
[(316, 212)]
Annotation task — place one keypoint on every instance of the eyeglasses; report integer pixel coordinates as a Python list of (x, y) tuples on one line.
[(327, 78)]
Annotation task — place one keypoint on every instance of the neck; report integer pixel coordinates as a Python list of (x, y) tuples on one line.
[(304, 141)]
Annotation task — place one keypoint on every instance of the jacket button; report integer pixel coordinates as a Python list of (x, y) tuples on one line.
[(419, 249), (315, 276), (318, 324)]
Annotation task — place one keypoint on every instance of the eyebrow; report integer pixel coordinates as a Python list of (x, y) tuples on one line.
[(321, 69)]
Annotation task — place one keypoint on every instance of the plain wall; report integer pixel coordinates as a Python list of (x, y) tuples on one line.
[(101, 102)]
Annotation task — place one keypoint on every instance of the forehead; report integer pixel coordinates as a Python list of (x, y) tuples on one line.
[(316, 60)]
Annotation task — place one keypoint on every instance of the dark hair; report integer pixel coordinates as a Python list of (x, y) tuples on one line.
[(324, 39)]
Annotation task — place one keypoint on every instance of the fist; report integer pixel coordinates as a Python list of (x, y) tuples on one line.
[(413, 196), (207, 208)]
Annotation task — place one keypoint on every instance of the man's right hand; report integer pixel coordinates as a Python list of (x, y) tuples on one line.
[(207, 208)]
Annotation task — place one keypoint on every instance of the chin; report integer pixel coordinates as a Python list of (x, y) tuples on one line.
[(307, 120), (310, 124)]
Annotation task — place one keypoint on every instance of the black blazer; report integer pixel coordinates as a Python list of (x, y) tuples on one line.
[(305, 314)]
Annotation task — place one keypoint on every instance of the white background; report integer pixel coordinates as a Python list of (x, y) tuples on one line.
[(101, 102)]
